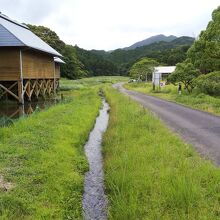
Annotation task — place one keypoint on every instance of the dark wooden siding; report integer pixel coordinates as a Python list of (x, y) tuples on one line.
[(9, 64), (57, 70), (37, 65)]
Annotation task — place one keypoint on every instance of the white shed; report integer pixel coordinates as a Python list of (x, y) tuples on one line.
[(160, 72)]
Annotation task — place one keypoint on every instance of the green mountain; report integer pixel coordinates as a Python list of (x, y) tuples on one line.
[(166, 53), (151, 40)]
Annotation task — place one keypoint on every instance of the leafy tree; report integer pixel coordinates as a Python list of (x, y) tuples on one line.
[(73, 69), (205, 52), (185, 73), (49, 36), (143, 69)]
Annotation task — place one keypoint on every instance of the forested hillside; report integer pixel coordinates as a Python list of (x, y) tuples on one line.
[(96, 64), (81, 63), (165, 53)]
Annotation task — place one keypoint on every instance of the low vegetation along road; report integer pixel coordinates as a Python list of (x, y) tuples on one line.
[(198, 128)]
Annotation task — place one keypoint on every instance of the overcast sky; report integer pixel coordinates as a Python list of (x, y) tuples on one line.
[(111, 24)]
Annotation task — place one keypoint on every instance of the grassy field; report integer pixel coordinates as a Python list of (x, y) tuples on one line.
[(195, 100), (42, 157), (150, 173), (90, 82)]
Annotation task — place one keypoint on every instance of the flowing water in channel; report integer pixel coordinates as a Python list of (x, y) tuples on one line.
[(94, 198)]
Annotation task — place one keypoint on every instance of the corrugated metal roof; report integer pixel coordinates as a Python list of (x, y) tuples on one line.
[(24, 35), (165, 69), (58, 60)]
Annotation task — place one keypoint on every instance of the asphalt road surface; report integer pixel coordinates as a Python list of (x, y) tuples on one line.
[(198, 128)]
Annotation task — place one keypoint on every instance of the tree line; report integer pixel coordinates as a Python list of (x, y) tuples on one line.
[(83, 63)]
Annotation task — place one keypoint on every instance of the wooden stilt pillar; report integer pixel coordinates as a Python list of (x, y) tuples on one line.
[(54, 80), (36, 89), (20, 82), (21, 110), (29, 90), (20, 92)]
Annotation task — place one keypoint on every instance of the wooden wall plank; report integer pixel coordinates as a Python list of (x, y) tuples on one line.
[(37, 65), (57, 70), (9, 64)]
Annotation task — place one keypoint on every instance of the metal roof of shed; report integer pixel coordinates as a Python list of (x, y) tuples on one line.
[(165, 69), (13, 33), (58, 60)]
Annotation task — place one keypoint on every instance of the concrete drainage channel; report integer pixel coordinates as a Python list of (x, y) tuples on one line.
[(94, 198)]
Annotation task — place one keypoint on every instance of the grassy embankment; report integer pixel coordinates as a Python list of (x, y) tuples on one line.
[(43, 157), (150, 173), (195, 100)]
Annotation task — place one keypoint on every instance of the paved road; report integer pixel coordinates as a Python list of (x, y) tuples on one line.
[(198, 128)]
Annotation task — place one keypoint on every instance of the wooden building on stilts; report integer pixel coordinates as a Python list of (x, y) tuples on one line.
[(28, 66)]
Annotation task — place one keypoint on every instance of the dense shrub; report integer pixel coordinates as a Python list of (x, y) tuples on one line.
[(210, 83)]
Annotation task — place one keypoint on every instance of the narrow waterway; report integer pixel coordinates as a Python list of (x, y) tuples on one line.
[(94, 198)]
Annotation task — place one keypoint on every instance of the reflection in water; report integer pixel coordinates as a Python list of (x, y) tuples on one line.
[(12, 110)]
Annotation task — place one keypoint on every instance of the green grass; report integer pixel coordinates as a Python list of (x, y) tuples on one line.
[(195, 100), (84, 83), (150, 173), (43, 157)]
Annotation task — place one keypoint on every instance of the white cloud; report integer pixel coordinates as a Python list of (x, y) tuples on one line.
[(109, 24)]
